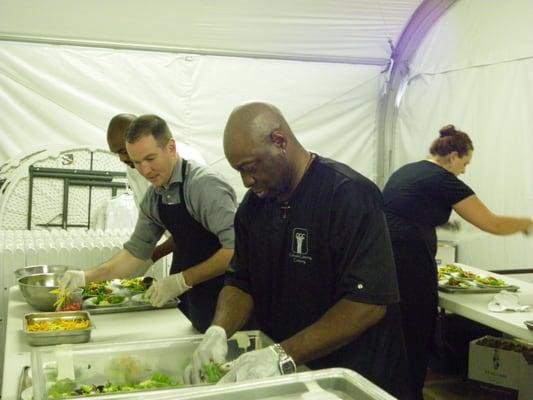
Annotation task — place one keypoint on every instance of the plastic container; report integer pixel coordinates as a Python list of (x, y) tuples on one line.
[(129, 362)]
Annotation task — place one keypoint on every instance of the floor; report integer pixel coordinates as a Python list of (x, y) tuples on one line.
[(453, 387)]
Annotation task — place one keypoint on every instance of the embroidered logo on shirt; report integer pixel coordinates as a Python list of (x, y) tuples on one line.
[(300, 246)]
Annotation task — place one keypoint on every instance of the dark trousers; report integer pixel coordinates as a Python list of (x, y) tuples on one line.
[(417, 282), (419, 313)]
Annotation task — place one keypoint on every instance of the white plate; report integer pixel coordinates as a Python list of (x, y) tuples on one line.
[(114, 290), (138, 298), (484, 286), (444, 283), (125, 288), (90, 303)]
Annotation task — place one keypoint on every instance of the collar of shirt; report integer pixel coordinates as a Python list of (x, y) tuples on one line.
[(170, 194)]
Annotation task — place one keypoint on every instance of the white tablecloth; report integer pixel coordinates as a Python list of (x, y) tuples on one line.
[(474, 306)]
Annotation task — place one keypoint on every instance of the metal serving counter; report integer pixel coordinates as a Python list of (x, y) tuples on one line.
[(129, 326)]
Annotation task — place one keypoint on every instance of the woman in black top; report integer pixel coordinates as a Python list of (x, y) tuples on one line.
[(418, 198)]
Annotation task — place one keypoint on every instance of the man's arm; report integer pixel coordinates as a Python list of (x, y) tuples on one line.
[(163, 249), (214, 266), (176, 284), (349, 318), (121, 265), (234, 308), (362, 253)]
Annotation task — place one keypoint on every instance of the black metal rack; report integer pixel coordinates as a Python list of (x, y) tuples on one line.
[(73, 177)]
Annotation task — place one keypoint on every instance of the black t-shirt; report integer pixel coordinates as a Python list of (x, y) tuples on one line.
[(419, 197), (424, 193), (332, 245)]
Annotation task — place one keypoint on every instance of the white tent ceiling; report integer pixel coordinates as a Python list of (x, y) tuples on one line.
[(323, 30)]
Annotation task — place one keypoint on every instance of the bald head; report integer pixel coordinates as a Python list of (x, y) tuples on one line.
[(118, 125), (259, 144), (116, 131), (253, 122)]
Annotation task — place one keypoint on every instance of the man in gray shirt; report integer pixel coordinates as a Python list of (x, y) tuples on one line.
[(196, 205)]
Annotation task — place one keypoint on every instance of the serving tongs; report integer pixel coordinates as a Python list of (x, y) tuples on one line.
[(24, 382)]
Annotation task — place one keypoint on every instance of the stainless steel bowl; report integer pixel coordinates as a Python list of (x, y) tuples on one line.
[(36, 290), (40, 269)]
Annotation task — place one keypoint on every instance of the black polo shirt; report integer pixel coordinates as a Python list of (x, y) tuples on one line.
[(333, 244)]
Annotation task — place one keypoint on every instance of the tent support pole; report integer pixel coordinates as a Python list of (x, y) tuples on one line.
[(416, 29)]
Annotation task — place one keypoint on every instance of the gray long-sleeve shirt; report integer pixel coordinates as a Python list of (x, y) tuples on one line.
[(209, 199)]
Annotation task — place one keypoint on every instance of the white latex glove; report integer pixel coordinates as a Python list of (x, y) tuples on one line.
[(213, 348), (253, 365), (166, 289), (72, 279)]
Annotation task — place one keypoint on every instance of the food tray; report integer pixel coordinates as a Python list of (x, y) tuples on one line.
[(474, 286), (57, 337), (330, 384), (477, 289), (127, 307), (98, 364)]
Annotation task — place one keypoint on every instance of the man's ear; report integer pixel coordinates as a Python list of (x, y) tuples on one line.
[(279, 139), (171, 145)]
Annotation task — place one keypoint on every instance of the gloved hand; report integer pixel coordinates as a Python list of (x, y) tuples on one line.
[(166, 289), (72, 279), (253, 365), (213, 348)]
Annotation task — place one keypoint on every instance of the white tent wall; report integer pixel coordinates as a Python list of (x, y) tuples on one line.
[(475, 70), (69, 93), (66, 94)]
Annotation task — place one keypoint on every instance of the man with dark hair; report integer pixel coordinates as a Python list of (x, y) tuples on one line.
[(313, 262), (116, 141), (194, 204)]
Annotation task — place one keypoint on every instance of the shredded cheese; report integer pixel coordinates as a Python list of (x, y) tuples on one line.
[(58, 325)]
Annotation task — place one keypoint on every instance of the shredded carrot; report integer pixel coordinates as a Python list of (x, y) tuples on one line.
[(58, 325)]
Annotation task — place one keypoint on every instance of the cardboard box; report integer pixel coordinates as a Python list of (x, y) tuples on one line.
[(502, 362)]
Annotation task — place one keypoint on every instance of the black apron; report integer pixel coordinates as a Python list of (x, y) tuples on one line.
[(194, 244)]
